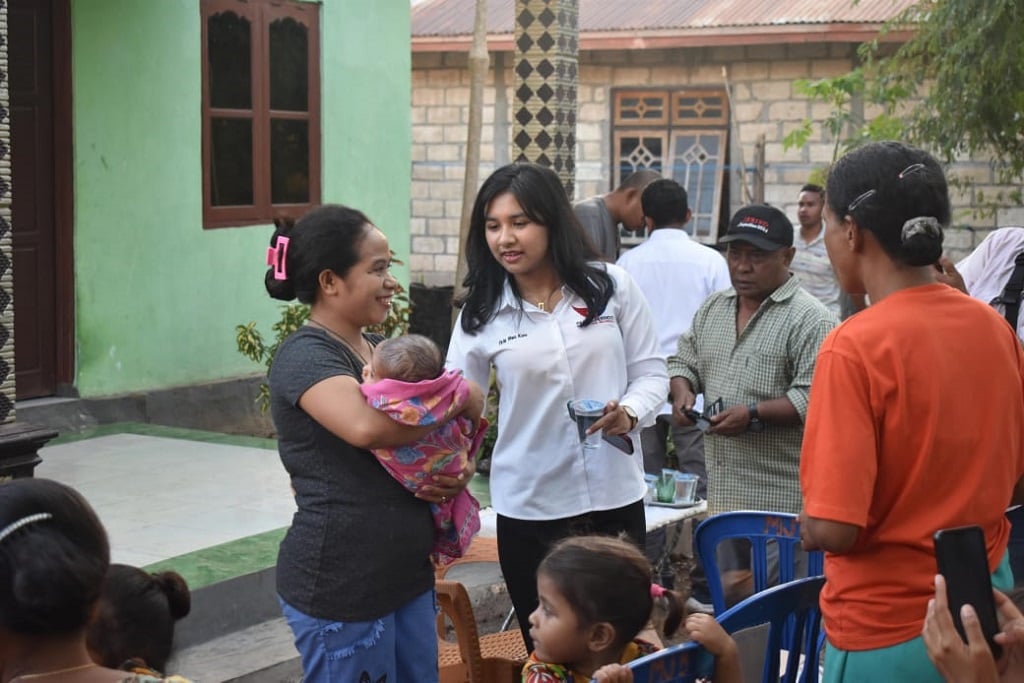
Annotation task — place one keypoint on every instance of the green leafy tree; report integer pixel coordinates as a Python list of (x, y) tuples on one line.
[(955, 86)]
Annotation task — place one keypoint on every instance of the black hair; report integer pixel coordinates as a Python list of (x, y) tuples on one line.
[(606, 579), (898, 193), (409, 358), (811, 187), (542, 198), (638, 179), (135, 620), (51, 568), (665, 202), (325, 238)]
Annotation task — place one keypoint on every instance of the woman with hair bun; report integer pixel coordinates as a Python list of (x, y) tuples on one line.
[(353, 573), (916, 418), (134, 625), (54, 557)]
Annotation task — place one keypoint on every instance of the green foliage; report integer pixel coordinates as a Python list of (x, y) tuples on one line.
[(955, 86), (251, 343), (971, 55)]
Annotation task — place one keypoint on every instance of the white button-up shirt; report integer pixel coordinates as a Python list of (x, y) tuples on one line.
[(539, 469), (676, 274)]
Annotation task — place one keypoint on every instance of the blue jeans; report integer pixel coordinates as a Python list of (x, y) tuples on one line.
[(401, 646)]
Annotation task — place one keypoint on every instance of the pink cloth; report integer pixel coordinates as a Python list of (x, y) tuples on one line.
[(446, 450)]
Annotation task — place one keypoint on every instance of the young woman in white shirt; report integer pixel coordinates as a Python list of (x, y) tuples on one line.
[(556, 325)]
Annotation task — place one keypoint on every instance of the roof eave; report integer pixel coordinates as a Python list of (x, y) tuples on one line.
[(651, 39)]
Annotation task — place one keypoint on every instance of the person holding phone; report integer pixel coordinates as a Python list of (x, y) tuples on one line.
[(972, 661), (916, 418), (556, 325)]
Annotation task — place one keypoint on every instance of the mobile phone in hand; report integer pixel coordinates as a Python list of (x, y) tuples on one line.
[(962, 560), (620, 441)]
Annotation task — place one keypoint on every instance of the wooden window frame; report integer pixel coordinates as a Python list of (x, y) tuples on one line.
[(261, 13), (670, 125)]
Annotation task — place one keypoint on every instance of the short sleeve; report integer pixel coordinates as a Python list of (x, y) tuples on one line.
[(303, 360)]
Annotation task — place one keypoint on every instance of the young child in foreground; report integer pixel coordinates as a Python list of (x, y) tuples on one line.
[(406, 379), (133, 627), (595, 596)]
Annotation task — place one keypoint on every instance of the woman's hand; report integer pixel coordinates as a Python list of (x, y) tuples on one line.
[(442, 488), (614, 421), (957, 661)]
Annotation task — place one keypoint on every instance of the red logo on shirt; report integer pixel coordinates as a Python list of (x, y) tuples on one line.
[(583, 311)]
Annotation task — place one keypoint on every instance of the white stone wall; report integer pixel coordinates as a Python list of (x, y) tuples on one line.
[(763, 102)]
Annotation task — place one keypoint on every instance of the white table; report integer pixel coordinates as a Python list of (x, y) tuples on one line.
[(657, 517)]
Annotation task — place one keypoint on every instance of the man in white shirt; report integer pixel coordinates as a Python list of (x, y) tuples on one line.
[(676, 275), (985, 273)]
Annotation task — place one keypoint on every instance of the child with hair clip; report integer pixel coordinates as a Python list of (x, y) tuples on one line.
[(406, 379), (133, 628), (595, 596)]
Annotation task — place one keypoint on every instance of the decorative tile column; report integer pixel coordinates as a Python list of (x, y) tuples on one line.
[(6, 248), (19, 443), (545, 90)]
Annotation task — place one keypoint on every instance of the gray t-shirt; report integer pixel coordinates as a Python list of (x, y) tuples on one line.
[(599, 226), (359, 544)]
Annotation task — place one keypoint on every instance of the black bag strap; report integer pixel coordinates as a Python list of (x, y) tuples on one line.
[(1010, 298)]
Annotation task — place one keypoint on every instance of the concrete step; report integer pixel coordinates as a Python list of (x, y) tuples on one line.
[(263, 653)]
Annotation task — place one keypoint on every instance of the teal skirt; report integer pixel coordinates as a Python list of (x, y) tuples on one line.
[(902, 662)]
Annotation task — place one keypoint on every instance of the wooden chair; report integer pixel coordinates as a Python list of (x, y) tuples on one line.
[(494, 658)]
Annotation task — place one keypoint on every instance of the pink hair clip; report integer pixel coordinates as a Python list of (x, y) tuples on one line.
[(657, 591), (277, 257)]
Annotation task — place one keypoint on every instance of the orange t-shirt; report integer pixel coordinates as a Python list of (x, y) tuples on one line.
[(915, 423)]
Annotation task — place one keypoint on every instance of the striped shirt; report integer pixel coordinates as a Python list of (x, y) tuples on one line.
[(773, 357), (814, 268)]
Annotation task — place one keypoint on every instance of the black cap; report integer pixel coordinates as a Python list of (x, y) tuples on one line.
[(761, 225)]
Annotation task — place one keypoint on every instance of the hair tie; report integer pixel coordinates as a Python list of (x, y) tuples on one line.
[(657, 591), (277, 257), (24, 521), (921, 225)]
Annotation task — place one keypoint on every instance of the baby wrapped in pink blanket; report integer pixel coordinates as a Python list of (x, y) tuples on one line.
[(409, 398)]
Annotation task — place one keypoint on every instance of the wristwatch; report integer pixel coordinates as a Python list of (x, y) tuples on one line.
[(756, 425), (633, 419)]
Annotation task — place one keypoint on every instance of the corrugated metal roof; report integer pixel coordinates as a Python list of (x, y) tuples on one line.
[(449, 18)]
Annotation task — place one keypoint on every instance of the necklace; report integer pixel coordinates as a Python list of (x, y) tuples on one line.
[(55, 672), (542, 304), (344, 341)]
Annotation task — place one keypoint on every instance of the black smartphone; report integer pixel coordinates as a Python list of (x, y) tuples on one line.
[(620, 441), (962, 560)]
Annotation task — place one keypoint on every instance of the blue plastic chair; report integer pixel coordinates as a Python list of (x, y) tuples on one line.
[(758, 528), (683, 663), (791, 610)]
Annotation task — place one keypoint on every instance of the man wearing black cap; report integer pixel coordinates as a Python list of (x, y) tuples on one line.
[(753, 346)]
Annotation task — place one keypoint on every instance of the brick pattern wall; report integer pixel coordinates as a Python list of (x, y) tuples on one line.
[(763, 102), (6, 246)]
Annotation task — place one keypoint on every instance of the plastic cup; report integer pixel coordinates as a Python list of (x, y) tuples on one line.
[(665, 490), (685, 488), (652, 487), (586, 412)]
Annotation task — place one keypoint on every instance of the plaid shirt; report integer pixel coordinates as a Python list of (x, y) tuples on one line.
[(773, 357)]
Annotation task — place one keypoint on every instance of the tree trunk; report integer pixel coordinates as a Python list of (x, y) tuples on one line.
[(478, 65)]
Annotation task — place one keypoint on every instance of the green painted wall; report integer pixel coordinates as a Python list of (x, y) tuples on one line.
[(158, 297)]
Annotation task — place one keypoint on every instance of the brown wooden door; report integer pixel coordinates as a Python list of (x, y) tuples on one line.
[(39, 193)]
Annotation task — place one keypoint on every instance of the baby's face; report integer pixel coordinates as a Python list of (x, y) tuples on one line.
[(368, 375)]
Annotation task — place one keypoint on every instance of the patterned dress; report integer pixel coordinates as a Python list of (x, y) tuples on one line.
[(543, 672)]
